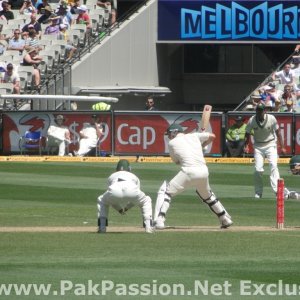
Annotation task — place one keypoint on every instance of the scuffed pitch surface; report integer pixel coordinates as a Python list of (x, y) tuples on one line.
[(129, 229)]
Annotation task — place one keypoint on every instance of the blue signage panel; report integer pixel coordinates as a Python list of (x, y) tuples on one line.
[(228, 21)]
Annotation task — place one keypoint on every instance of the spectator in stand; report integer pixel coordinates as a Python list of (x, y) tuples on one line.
[(63, 35), (288, 95), (111, 5), (27, 8), (12, 76), (42, 6), (53, 28), (33, 59), (255, 99), (266, 97), (289, 106), (36, 25), (64, 15), (150, 105), (46, 15), (16, 42), (36, 3), (285, 76), (74, 7), (83, 17), (235, 138), (32, 41), (6, 12)]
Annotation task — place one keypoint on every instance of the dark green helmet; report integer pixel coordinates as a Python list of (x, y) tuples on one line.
[(123, 165), (295, 165), (174, 129)]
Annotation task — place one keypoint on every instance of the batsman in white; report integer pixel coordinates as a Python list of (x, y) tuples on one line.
[(186, 150), (266, 134), (123, 193)]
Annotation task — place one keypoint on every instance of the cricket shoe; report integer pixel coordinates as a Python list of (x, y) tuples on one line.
[(293, 195), (101, 230), (257, 196), (159, 223), (225, 222)]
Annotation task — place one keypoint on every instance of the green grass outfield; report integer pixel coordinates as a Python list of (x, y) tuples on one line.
[(209, 261)]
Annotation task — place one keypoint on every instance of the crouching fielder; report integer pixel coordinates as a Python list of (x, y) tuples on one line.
[(122, 194), (186, 150)]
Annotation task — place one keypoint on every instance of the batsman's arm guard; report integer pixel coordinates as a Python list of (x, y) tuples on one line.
[(162, 201)]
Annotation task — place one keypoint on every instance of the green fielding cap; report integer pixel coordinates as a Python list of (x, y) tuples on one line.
[(123, 165)]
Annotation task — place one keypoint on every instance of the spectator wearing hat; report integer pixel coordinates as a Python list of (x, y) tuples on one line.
[(52, 28), (27, 8), (41, 6), (266, 135), (12, 76), (16, 42), (285, 76), (58, 136), (47, 13), (32, 24), (83, 17), (235, 138), (64, 15), (89, 136), (33, 59), (6, 11), (266, 96)]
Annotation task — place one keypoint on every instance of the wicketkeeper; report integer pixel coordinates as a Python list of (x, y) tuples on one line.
[(122, 194), (186, 150)]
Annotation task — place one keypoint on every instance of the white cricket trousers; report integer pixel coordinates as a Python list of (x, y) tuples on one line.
[(61, 145), (260, 153), (85, 146), (124, 194), (196, 177)]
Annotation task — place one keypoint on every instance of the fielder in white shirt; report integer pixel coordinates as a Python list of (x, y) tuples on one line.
[(266, 134), (89, 136), (123, 193), (186, 150), (58, 135)]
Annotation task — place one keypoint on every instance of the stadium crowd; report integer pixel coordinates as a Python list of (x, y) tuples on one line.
[(281, 91), (38, 35)]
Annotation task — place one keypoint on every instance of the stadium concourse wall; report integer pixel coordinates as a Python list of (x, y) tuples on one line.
[(137, 133)]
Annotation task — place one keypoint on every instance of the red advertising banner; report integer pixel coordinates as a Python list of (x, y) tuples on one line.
[(285, 122), (145, 133), (297, 134), (15, 124)]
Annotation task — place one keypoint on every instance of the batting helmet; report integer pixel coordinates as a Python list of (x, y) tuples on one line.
[(295, 165), (123, 165), (173, 130)]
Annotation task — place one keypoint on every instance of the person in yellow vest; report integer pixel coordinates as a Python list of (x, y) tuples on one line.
[(101, 106), (235, 138)]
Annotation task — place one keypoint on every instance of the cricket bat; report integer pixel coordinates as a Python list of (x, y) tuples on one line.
[(205, 117)]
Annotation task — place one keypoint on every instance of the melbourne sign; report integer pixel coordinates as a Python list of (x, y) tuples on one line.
[(223, 21)]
